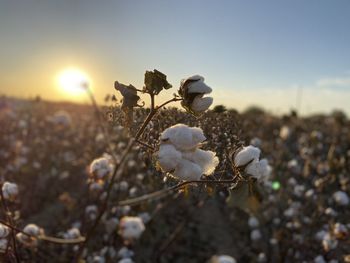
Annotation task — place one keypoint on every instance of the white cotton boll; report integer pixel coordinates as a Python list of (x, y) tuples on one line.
[(3, 245), (285, 132), (340, 230), (207, 160), (4, 231), (330, 212), (9, 191), (124, 252), (201, 104), (91, 211), (246, 155), (262, 258), (222, 259), (341, 198), (72, 233), (32, 230), (131, 228), (310, 193), (255, 235), (319, 259), (187, 171), (256, 142), (265, 168), (168, 157), (101, 167), (320, 235), (96, 186), (329, 242), (98, 259), (126, 260), (197, 85), (183, 137), (197, 135), (253, 222), (62, 118)]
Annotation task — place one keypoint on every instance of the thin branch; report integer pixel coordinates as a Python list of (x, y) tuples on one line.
[(54, 240), (167, 102), (146, 145), (165, 192)]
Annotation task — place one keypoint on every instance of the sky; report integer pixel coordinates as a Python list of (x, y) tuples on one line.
[(275, 54)]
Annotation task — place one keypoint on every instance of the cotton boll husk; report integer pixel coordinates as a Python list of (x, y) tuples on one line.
[(246, 155), (201, 104), (207, 160), (187, 171), (168, 157)]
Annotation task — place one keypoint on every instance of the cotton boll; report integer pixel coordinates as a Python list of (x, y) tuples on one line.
[(4, 231), (3, 245), (198, 85), (329, 242), (285, 132), (62, 118), (101, 167), (222, 259), (188, 171), (126, 260), (168, 157), (246, 155), (207, 160), (253, 222), (320, 235), (72, 233), (255, 235), (9, 191), (340, 230), (32, 230), (131, 228), (98, 259), (341, 198), (201, 104), (124, 252), (319, 259), (183, 137)]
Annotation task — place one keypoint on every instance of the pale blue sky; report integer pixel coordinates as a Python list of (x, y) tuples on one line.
[(250, 52)]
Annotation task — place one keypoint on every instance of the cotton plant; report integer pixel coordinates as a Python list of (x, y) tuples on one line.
[(180, 154)]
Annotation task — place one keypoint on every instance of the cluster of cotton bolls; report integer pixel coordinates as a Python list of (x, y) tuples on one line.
[(180, 153), (249, 157), (4, 232), (61, 118), (255, 233), (30, 236)]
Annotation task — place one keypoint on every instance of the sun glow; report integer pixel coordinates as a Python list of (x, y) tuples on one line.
[(73, 81)]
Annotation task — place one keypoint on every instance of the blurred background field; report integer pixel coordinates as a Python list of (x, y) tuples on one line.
[(46, 148)]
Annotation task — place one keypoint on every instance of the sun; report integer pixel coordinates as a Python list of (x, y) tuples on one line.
[(73, 81)]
